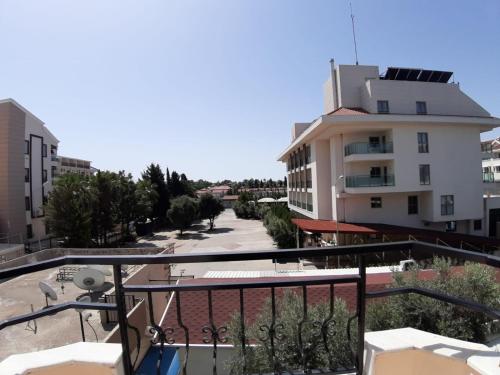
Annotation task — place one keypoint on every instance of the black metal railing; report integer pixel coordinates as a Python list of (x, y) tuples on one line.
[(216, 335)]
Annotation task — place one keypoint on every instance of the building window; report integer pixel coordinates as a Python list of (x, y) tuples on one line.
[(27, 203), (382, 106), (421, 108), (26, 175), (478, 224), (451, 226), (412, 205), (26, 147), (29, 231), (447, 205), (44, 175), (376, 202), (44, 150), (423, 143), (53, 171), (308, 154), (425, 174)]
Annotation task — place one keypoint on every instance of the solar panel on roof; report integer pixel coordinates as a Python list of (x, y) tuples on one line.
[(421, 75)]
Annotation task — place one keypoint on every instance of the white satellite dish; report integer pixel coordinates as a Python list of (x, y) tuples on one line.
[(48, 292), (84, 299), (88, 279), (103, 269)]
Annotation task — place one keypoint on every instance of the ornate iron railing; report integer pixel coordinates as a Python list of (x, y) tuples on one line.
[(217, 335)]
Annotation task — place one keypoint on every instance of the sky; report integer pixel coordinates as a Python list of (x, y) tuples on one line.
[(212, 88)]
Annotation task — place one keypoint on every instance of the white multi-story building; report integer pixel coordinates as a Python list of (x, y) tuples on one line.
[(28, 154), (72, 165), (401, 148)]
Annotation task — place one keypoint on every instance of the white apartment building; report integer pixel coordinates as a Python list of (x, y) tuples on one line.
[(28, 154), (401, 148), (73, 165)]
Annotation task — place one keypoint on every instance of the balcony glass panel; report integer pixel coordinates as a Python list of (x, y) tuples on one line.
[(488, 177), (369, 181), (368, 148)]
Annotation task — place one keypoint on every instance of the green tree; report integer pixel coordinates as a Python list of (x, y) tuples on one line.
[(182, 212), (290, 354), (146, 198), (126, 210), (476, 283), (210, 207), (155, 176), (69, 210), (104, 207)]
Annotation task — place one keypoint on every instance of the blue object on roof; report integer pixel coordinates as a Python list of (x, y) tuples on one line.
[(170, 364)]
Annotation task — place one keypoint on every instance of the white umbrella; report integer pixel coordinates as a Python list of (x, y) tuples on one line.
[(266, 200), (283, 199)]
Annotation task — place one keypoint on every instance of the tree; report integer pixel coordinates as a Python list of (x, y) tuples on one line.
[(182, 212), (146, 197), (475, 283), (316, 348), (104, 189), (210, 207), (155, 176), (69, 210), (126, 210)]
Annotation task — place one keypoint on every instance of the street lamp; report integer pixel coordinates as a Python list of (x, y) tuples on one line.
[(339, 178)]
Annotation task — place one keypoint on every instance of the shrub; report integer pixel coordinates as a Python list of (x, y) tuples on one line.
[(289, 314), (476, 283)]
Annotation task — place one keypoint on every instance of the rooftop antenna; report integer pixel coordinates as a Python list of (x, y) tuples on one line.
[(354, 35)]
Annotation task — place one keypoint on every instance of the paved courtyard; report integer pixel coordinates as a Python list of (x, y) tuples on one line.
[(230, 234)]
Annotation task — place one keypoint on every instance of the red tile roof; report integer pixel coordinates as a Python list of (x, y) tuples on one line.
[(343, 111), (230, 197), (330, 226)]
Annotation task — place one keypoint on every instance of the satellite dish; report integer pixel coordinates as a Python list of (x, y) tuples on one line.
[(48, 292), (84, 299), (103, 269), (88, 279)]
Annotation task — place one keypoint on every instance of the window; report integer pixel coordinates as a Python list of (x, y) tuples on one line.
[(27, 203), (382, 106), (423, 143), (29, 231), (425, 174), (26, 147), (451, 226), (412, 205), (376, 202), (478, 224), (421, 108), (53, 171), (26, 175), (44, 175), (447, 205), (308, 154), (44, 150)]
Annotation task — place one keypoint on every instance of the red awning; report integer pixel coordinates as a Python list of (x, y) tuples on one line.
[(330, 226)]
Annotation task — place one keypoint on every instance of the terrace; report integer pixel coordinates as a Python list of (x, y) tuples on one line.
[(198, 340)]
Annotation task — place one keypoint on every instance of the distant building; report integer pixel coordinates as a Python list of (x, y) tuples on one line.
[(28, 154), (399, 148), (72, 165), (216, 191)]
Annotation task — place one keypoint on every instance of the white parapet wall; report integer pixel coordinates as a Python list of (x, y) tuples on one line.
[(408, 351), (75, 359)]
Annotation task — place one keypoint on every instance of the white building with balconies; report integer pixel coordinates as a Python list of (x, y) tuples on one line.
[(401, 148)]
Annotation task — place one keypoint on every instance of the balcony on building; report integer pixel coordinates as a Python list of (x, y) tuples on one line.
[(361, 181), (368, 146), (183, 326)]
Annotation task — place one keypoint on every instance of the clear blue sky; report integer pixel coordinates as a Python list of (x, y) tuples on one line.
[(211, 88)]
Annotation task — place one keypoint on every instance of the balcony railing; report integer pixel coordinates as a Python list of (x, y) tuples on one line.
[(368, 148), (369, 181), (488, 177), (54, 158), (271, 332)]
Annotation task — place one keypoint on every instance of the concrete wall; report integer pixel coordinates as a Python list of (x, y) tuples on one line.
[(12, 206), (440, 98)]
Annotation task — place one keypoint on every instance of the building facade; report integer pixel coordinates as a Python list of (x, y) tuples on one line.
[(401, 148), (28, 154), (72, 165)]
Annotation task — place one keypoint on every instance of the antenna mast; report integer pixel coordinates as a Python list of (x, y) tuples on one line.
[(354, 34)]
